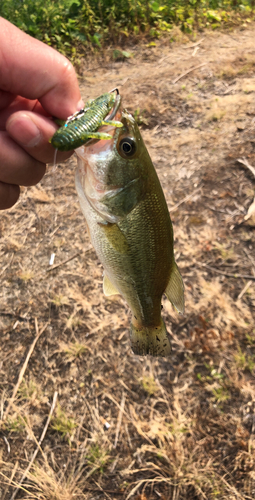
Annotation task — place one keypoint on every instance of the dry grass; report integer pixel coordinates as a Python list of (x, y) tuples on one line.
[(125, 426)]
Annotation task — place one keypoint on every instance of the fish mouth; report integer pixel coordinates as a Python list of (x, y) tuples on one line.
[(91, 159), (99, 146), (94, 155)]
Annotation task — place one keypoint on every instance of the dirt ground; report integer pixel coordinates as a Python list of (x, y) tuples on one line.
[(124, 426)]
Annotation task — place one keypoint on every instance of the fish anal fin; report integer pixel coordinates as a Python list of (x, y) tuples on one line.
[(175, 289), (108, 288)]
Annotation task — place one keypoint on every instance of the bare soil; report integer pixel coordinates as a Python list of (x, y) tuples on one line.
[(125, 426)]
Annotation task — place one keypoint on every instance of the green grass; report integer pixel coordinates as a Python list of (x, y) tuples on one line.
[(15, 424), (63, 424), (245, 361), (97, 457), (69, 25), (73, 350)]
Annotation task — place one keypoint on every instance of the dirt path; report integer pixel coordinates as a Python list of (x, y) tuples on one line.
[(131, 427)]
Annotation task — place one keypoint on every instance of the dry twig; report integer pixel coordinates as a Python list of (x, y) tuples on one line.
[(246, 164), (67, 260), (52, 268), (229, 275), (193, 44), (188, 197), (187, 72), (245, 288)]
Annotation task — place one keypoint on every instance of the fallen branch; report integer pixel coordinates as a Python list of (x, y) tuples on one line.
[(68, 260), (172, 209), (246, 164), (38, 446), (229, 275), (187, 72), (193, 44), (24, 367), (52, 268), (244, 290)]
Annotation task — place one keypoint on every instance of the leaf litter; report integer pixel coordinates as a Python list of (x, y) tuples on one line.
[(176, 428)]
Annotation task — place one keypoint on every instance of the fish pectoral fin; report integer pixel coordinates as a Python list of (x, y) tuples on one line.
[(115, 236), (108, 288), (124, 199), (175, 289)]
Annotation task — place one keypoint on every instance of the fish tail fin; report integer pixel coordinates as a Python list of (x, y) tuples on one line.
[(150, 340)]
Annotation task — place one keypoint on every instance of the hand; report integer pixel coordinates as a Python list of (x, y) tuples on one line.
[(36, 83)]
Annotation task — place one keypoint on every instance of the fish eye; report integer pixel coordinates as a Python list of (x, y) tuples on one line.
[(127, 147)]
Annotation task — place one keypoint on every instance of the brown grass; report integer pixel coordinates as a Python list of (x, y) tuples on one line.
[(124, 426)]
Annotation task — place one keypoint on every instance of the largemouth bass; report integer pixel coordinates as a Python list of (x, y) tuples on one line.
[(130, 228)]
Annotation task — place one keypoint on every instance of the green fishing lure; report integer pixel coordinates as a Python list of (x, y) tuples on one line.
[(83, 125)]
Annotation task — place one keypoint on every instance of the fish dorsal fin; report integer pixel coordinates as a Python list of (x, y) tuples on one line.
[(108, 288), (175, 289)]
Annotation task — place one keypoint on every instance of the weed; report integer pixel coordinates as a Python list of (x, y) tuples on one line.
[(73, 321), (221, 394), (13, 245), (140, 118), (45, 483), (31, 391), (26, 275), (73, 350), (250, 338), (70, 25), (63, 424), (121, 55), (226, 253), (216, 116), (97, 457), (245, 361), (214, 374), (60, 300), (149, 385), (215, 383), (15, 424)]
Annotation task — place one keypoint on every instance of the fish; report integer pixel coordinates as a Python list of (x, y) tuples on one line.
[(130, 228), (83, 125)]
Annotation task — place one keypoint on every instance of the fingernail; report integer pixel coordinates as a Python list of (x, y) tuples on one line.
[(24, 130), (80, 105)]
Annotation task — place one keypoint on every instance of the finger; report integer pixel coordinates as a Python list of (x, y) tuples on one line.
[(5, 98), (19, 103), (36, 71), (9, 194), (17, 166), (33, 132)]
